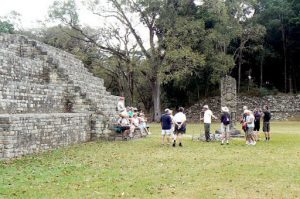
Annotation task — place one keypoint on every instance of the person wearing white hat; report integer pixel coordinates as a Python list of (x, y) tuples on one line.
[(225, 125), (250, 140), (166, 125), (207, 121), (121, 105), (243, 119)]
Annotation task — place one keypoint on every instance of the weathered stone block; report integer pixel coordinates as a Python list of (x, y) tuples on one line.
[(36, 81)]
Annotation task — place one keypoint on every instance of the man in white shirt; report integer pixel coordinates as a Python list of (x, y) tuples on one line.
[(121, 105), (250, 140), (180, 126), (207, 121)]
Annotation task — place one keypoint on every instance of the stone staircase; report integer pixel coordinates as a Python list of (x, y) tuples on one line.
[(91, 88), (48, 99)]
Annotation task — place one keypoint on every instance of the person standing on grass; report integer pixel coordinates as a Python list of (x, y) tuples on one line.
[(207, 122), (166, 125), (225, 125), (243, 119), (180, 126), (173, 123), (250, 126), (257, 116), (266, 122)]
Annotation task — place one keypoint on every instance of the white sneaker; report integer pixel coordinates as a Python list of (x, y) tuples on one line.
[(253, 143)]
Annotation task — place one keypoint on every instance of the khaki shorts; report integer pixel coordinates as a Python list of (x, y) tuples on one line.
[(166, 132), (250, 131), (266, 127), (225, 128)]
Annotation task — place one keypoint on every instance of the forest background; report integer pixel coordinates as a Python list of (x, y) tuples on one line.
[(170, 53)]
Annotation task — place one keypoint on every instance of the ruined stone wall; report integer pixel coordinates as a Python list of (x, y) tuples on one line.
[(47, 99), (29, 133), (283, 107)]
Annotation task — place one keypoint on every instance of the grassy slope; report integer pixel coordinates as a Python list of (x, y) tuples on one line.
[(145, 169)]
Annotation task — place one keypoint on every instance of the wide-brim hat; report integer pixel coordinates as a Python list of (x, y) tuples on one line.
[(246, 111), (225, 109), (124, 114), (205, 106)]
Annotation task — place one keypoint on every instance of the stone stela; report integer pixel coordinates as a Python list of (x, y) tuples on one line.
[(229, 97)]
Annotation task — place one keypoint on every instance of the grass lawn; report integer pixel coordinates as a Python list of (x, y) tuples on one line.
[(145, 169)]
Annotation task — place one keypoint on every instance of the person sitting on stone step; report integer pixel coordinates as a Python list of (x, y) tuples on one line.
[(134, 123), (121, 105), (123, 124)]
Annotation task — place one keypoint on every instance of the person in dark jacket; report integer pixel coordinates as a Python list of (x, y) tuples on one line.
[(257, 115), (225, 125), (266, 122), (166, 125)]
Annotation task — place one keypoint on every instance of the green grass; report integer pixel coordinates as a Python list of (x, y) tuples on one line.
[(145, 169)]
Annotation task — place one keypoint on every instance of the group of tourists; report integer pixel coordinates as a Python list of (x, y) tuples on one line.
[(251, 124), (129, 119), (175, 126)]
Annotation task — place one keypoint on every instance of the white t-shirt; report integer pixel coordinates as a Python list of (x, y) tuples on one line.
[(135, 121), (207, 116), (121, 106), (248, 119), (123, 121), (179, 117)]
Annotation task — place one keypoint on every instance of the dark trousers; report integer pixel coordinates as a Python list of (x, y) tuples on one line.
[(207, 131)]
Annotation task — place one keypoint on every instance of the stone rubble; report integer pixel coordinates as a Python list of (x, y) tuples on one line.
[(282, 107)]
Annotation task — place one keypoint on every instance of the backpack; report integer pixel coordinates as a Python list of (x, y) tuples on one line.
[(267, 116), (226, 119)]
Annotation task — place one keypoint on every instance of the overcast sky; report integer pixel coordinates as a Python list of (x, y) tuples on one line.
[(32, 11), (36, 10)]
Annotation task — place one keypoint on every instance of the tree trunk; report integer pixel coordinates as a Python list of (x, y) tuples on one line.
[(261, 69), (155, 84), (283, 37), (295, 82), (290, 84), (131, 87), (239, 70)]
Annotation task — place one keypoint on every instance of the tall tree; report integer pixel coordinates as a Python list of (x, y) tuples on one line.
[(277, 14), (6, 27), (156, 27), (220, 31)]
